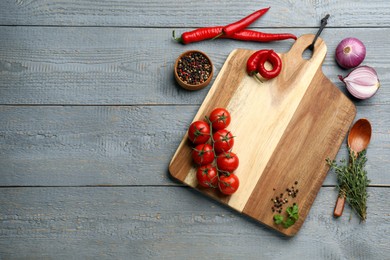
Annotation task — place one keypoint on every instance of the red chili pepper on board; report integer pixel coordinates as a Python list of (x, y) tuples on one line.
[(253, 61), (276, 62), (244, 22), (250, 35), (199, 34)]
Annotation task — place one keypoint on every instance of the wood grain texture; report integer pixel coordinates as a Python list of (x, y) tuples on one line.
[(161, 13), (134, 66), (170, 222), (94, 145), (88, 145), (288, 127), (87, 98), (314, 134)]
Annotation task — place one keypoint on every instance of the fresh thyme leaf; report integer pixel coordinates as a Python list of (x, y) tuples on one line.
[(352, 181)]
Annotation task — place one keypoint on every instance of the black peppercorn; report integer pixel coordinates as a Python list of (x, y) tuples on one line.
[(194, 68)]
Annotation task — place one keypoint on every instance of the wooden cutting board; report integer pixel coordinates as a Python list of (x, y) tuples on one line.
[(284, 130)]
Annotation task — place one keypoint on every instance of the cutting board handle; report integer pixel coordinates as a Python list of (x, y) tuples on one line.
[(303, 42)]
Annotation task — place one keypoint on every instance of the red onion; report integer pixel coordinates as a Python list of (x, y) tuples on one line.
[(350, 53), (362, 82)]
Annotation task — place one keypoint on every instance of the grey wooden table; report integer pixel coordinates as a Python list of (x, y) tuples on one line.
[(91, 115)]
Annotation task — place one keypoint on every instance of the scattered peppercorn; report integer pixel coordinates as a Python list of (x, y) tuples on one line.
[(280, 200)]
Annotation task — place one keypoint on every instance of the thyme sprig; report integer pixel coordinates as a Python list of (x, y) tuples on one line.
[(353, 181)]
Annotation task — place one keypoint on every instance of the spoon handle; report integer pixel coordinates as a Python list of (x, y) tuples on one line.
[(339, 207), (340, 202)]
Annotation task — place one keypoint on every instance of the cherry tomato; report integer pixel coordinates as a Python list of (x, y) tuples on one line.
[(228, 184), (223, 141), (220, 118), (203, 154), (199, 132), (207, 176), (227, 162)]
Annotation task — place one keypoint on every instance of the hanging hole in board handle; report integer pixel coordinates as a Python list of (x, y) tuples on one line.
[(308, 52)]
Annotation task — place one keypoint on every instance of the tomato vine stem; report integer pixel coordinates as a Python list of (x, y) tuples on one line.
[(215, 154)]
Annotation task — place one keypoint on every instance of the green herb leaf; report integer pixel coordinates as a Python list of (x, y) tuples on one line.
[(288, 223), (293, 215), (278, 219), (293, 212), (289, 211), (352, 181)]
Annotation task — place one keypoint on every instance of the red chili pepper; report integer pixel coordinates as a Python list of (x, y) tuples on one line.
[(276, 62), (232, 28), (250, 35), (199, 34), (253, 61)]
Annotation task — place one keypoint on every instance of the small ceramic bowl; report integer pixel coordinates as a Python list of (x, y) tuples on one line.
[(193, 70)]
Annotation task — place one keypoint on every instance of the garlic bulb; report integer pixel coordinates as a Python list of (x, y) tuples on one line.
[(362, 82)]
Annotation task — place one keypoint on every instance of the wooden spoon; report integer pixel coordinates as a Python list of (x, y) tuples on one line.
[(359, 136), (358, 140)]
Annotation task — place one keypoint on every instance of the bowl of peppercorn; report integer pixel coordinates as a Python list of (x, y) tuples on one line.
[(193, 70)]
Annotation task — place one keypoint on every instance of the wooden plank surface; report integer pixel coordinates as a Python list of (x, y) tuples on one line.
[(135, 65), (87, 98), (104, 145), (171, 222), (138, 13)]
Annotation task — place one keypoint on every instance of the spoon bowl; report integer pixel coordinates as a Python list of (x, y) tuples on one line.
[(359, 136)]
